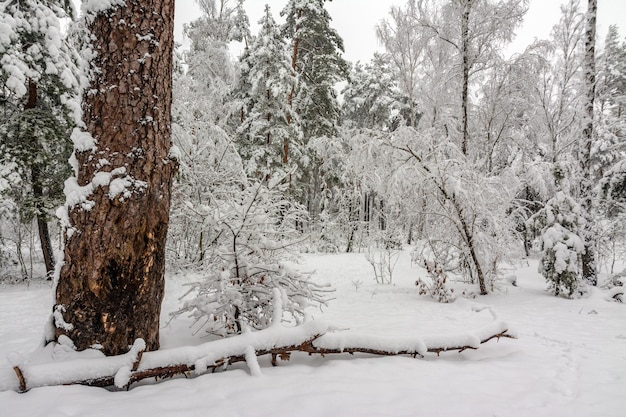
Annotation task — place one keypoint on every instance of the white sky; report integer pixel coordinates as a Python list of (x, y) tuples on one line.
[(355, 20)]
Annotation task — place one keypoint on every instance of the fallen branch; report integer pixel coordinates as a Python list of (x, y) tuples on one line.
[(170, 371), (311, 338)]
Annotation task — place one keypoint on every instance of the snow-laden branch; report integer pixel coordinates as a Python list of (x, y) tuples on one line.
[(312, 337)]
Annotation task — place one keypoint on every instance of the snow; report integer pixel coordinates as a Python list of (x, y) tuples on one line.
[(174, 153), (253, 362), (98, 6), (569, 360), (59, 320), (83, 141), (119, 184), (210, 352)]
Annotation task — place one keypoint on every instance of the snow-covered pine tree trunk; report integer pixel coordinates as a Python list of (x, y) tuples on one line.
[(111, 283), (586, 185)]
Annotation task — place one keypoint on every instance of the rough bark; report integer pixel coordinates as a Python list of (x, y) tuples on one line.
[(111, 283), (588, 258)]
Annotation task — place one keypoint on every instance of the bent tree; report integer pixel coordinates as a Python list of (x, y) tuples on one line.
[(110, 285)]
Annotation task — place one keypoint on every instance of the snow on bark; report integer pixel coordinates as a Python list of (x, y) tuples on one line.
[(93, 7)]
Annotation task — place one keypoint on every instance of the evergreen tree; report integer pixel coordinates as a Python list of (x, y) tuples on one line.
[(560, 222), (269, 129), (561, 225), (369, 98), (38, 72), (609, 152), (318, 66)]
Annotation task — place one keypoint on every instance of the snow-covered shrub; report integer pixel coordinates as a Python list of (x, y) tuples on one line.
[(383, 262), (560, 224), (254, 233), (366, 206), (209, 172), (438, 288)]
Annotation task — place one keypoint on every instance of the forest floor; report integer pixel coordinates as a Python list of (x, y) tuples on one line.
[(569, 358)]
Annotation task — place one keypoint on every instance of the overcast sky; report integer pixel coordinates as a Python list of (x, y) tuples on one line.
[(355, 20)]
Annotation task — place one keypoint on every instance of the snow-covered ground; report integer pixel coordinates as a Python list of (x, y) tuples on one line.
[(569, 359)]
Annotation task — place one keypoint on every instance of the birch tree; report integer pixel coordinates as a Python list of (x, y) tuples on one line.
[(474, 30)]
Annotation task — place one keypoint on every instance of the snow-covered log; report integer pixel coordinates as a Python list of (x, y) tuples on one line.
[(312, 337)]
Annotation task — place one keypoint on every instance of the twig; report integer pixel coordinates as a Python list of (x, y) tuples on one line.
[(20, 377)]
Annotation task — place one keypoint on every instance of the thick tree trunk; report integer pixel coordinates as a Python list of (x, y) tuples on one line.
[(111, 283), (588, 258)]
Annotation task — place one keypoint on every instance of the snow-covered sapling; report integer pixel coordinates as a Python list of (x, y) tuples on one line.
[(383, 262), (560, 224), (438, 288), (257, 232)]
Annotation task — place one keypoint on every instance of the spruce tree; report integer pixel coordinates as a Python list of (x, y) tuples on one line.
[(610, 141), (609, 151), (561, 224), (38, 72), (318, 66), (371, 94), (269, 128)]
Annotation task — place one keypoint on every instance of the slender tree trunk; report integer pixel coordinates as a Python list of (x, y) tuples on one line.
[(42, 222), (467, 5), (315, 191), (292, 92), (468, 235), (588, 258), (111, 283)]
